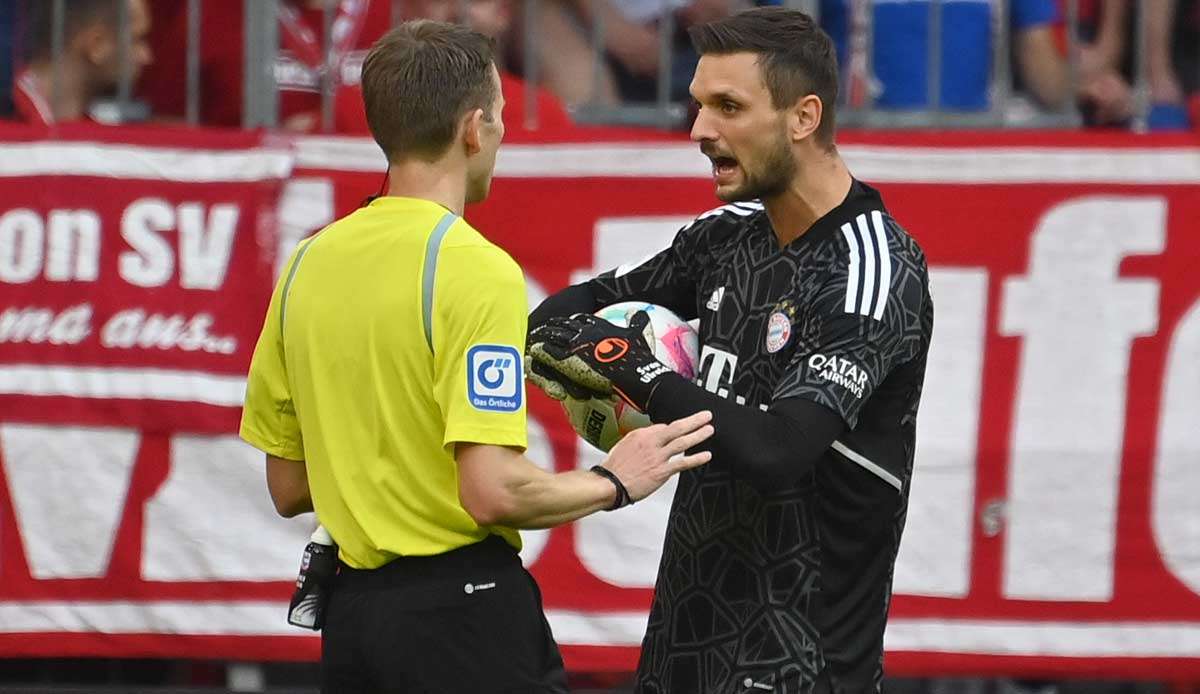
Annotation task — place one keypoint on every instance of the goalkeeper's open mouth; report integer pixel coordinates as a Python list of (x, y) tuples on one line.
[(723, 167)]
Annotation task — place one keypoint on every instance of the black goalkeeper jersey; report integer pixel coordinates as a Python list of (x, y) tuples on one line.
[(774, 591)]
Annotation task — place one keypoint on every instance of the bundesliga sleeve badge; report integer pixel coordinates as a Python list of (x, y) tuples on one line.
[(494, 378)]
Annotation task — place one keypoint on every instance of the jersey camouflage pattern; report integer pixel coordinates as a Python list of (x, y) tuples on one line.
[(777, 591)]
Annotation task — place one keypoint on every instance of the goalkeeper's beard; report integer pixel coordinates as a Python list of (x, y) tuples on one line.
[(770, 178)]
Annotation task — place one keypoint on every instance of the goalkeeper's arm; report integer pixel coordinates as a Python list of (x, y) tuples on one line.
[(782, 443), (577, 298), (766, 448)]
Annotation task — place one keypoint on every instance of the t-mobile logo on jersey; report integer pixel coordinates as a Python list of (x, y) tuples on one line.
[(716, 373), (716, 370)]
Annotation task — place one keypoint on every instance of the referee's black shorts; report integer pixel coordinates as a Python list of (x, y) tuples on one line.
[(466, 621)]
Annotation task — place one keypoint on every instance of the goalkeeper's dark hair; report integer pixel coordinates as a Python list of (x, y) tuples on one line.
[(38, 15), (419, 80), (795, 57)]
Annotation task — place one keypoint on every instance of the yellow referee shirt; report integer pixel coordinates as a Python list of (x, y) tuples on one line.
[(391, 334)]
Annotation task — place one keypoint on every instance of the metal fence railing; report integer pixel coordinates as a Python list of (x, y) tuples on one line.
[(260, 101), (935, 114), (262, 36)]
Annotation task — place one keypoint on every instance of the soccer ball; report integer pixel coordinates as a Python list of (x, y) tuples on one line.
[(602, 422)]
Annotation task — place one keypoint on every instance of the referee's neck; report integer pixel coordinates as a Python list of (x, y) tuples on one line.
[(818, 187), (435, 181)]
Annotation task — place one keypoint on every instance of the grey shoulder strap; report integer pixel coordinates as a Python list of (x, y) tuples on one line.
[(287, 285), (429, 272)]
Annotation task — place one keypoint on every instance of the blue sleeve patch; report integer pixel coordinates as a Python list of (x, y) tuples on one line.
[(494, 378)]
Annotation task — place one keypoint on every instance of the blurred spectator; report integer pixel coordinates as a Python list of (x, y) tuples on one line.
[(1105, 96), (357, 24), (899, 55), (1168, 100), (8, 11), (551, 117), (566, 63), (1040, 65), (492, 18), (899, 50), (1105, 30), (88, 68), (1187, 55), (631, 49)]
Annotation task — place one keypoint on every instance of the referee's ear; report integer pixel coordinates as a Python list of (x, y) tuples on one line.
[(472, 126)]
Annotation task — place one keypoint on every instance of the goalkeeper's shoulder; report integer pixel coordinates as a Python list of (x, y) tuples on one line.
[(720, 224)]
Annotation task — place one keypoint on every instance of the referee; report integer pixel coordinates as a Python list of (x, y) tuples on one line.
[(815, 323), (387, 391)]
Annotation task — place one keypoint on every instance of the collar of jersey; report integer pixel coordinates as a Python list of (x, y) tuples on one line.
[(859, 199), (400, 201)]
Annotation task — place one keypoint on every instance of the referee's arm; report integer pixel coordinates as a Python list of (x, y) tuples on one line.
[(498, 485), (269, 421), (287, 481)]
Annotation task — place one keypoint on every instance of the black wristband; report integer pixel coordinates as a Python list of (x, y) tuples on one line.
[(623, 498)]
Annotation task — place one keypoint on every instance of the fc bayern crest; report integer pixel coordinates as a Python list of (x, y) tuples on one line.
[(779, 329)]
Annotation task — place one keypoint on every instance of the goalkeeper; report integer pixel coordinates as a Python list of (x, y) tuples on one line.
[(815, 323)]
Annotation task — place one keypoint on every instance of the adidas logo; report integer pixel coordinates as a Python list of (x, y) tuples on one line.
[(714, 301), (471, 588)]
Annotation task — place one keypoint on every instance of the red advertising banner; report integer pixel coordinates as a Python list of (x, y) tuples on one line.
[(1054, 527), (134, 277)]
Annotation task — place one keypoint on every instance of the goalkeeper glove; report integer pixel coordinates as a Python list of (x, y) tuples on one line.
[(599, 356), (554, 384)]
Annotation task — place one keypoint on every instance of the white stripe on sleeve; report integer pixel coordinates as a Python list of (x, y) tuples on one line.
[(885, 264), (869, 272), (852, 283)]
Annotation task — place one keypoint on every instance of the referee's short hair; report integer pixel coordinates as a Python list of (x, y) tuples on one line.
[(796, 57), (419, 80)]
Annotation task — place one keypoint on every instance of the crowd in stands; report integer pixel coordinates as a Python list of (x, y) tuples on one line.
[(883, 48)]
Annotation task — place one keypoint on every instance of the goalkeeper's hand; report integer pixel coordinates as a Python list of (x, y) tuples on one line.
[(554, 384), (596, 355)]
